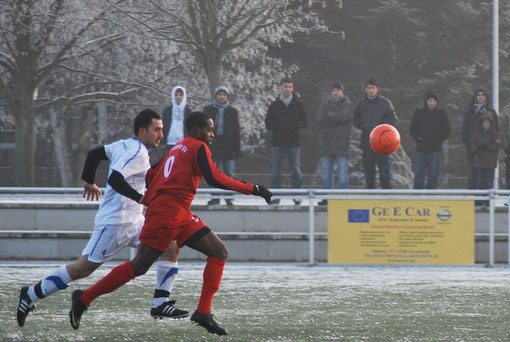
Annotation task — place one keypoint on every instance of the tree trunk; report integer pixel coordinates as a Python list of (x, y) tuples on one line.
[(214, 73), (25, 145), (61, 152)]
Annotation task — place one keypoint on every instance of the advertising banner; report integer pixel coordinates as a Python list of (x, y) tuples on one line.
[(401, 232)]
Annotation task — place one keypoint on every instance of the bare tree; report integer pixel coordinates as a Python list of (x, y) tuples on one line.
[(41, 40), (227, 43)]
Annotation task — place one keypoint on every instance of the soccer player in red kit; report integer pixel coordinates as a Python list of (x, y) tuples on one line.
[(172, 185)]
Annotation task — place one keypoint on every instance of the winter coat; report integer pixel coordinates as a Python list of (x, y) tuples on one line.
[(167, 119), (334, 119), (485, 144), (371, 113), (284, 122), (228, 145), (429, 128), (471, 117), (504, 128)]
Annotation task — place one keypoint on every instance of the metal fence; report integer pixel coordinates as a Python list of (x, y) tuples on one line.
[(312, 195)]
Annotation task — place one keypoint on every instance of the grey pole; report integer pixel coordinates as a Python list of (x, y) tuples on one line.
[(311, 228), (495, 72)]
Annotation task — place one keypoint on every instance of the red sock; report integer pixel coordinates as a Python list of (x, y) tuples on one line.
[(117, 277), (212, 277)]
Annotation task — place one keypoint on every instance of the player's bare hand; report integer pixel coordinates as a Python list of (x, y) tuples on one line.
[(91, 192)]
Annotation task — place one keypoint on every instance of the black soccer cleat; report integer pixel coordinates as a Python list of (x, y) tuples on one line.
[(207, 321), (24, 306), (77, 309), (168, 310)]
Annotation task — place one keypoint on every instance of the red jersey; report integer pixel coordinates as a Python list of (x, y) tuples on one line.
[(172, 185)]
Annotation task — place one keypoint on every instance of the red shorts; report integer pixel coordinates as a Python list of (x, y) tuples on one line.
[(158, 232)]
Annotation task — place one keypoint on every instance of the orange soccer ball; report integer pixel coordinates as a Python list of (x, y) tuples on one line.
[(384, 139)]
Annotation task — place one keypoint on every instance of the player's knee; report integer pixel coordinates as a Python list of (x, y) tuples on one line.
[(222, 253), (139, 269)]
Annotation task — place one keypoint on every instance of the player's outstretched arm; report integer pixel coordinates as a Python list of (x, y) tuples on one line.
[(94, 157), (215, 177)]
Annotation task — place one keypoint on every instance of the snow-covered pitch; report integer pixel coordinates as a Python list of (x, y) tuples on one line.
[(280, 302)]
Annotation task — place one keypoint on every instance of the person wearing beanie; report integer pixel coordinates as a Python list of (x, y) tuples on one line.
[(227, 134), (477, 107), (429, 128), (174, 117), (334, 120), (371, 111), (285, 117), (484, 145)]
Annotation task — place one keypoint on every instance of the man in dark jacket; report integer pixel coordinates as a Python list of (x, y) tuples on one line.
[(478, 106), (429, 128), (227, 134), (370, 112), (334, 120), (285, 117)]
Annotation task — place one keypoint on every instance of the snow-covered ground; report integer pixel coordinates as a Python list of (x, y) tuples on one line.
[(280, 302)]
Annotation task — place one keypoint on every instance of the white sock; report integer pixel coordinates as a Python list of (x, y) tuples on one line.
[(166, 273), (58, 280)]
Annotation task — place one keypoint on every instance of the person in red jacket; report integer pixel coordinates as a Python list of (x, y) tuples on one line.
[(172, 185)]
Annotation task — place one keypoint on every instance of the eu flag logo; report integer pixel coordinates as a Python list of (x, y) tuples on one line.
[(359, 215)]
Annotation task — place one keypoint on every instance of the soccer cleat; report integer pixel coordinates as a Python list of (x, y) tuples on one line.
[(207, 321), (213, 201), (168, 310), (77, 309), (24, 306)]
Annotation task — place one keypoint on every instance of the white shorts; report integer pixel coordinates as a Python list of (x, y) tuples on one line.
[(106, 241)]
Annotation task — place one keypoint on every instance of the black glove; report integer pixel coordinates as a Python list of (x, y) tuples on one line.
[(260, 190)]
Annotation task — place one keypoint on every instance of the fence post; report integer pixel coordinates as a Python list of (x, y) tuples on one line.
[(508, 228), (311, 228), (491, 227)]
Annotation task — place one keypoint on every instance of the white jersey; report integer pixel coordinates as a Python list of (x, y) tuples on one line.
[(130, 158)]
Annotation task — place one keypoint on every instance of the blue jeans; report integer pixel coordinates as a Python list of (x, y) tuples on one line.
[(370, 160), (293, 154), (327, 172), (426, 162), (484, 177), (228, 167)]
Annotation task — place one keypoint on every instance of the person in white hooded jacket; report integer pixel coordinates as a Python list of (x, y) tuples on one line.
[(174, 117)]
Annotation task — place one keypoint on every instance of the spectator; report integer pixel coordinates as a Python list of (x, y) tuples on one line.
[(505, 139), (479, 105), (484, 146), (334, 120), (370, 112), (285, 117), (174, 117), (227, 135), (429, 128)]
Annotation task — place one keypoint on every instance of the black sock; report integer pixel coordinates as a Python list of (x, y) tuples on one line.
[(38, 291), (161, 293)]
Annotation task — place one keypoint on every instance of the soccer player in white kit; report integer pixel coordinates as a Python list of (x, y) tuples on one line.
[(118, 221)]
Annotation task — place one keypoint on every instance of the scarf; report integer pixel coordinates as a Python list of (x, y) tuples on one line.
[(286, 100), (219, 117)]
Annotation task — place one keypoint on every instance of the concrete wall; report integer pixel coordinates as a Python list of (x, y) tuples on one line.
[(251, 232)]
